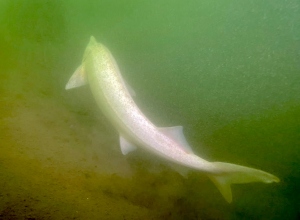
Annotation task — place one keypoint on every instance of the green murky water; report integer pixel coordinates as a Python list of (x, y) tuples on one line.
[(228, 71)]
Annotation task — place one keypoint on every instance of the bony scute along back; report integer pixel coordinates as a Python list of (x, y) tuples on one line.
[(114, 98)]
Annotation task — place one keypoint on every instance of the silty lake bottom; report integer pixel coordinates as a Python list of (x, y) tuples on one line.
[(228, 72)]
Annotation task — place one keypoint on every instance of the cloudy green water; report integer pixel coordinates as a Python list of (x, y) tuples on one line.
[(228, 71)]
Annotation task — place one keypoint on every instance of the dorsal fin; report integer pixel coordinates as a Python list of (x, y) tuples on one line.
[(176, 134)]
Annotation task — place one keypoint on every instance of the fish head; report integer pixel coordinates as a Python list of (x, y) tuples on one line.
[(92, 45)]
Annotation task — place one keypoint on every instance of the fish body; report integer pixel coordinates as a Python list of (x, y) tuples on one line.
[(114, 97)]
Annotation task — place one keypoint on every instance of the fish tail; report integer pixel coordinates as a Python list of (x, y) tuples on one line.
[(235, 174)]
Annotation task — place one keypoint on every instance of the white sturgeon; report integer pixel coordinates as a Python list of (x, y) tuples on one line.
[(114, 97)]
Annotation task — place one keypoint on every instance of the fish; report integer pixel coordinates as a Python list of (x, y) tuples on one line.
[(115, 99)]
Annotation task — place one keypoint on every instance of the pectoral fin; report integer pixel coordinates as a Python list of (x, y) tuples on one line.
[(77, 79), (126, 146)]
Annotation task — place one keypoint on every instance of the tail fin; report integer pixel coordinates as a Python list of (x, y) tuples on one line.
[(232, 174)]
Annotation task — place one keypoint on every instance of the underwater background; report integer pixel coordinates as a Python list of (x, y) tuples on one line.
[(227, 71)]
